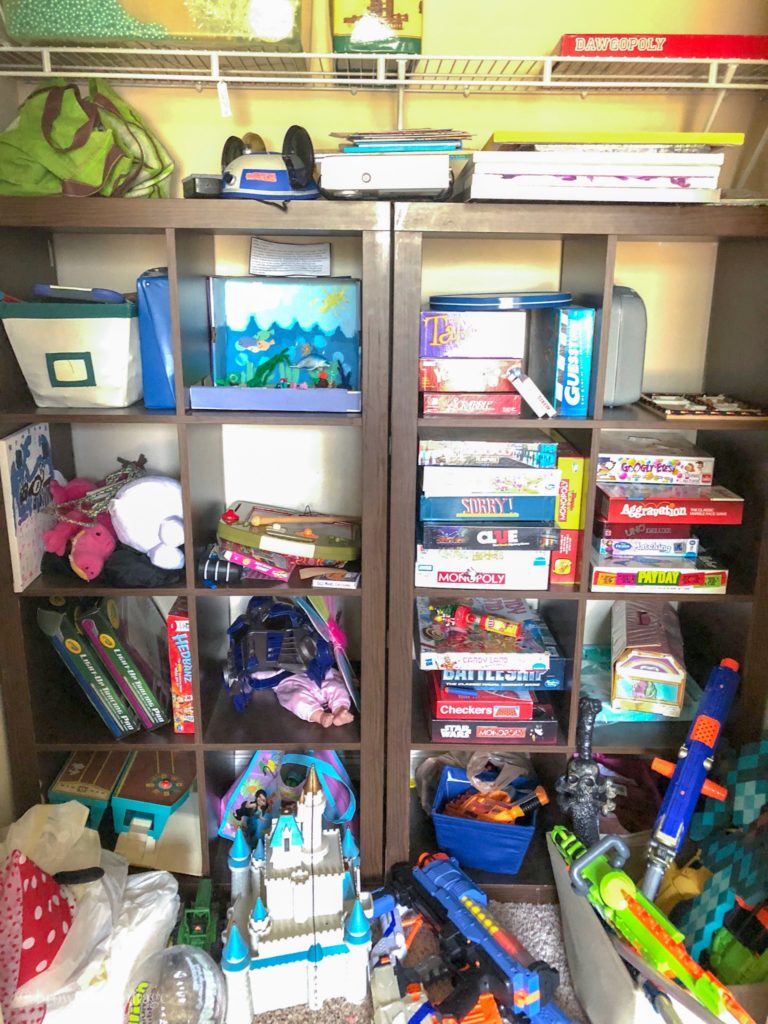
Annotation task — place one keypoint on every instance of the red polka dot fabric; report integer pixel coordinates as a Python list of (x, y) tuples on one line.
[(36, 917)]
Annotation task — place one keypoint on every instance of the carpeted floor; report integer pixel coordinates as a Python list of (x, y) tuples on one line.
[(537, 926)]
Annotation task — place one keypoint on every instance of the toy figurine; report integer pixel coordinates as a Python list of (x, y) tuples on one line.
[(254, 814), (583, 793)]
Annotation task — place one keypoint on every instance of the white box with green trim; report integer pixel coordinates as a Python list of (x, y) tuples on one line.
[(76, 354)]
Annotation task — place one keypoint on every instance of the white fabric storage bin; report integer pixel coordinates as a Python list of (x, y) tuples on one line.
[(76, 354)]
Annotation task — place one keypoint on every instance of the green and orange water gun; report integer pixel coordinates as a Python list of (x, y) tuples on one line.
[(596, 873)]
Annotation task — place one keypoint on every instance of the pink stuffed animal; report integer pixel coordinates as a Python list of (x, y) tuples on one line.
[(92, 542), (91, 547)]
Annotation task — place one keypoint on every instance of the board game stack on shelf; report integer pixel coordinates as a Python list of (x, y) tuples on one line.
[(487, 512), (650, 492), (483, 684)]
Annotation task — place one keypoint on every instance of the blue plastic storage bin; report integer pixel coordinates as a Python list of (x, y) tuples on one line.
[(484, 845), (155, 339)]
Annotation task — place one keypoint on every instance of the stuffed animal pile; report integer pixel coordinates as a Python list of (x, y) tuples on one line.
[(142, 512)]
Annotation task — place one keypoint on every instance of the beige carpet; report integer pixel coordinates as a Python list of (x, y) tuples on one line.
[(536, 925)]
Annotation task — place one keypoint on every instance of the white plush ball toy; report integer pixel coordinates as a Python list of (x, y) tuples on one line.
[(147, 515)]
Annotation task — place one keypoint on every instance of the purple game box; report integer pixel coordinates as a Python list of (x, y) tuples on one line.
[(236, 399)]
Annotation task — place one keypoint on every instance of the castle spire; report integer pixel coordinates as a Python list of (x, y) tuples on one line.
[(349, 847), (357, 931), (259, 911), (312, 785), (240, 853), (235, 955)]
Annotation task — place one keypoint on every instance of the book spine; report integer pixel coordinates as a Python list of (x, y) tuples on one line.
[(110, 648), (180, 662)]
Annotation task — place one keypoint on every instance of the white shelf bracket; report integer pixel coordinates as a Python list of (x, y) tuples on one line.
[(730, 71), (400, 94)]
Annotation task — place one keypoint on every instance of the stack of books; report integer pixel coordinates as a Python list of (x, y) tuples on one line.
[(483, 687), (487, 512), (269, 543), (598, 166), (117, 652), (650, 492)]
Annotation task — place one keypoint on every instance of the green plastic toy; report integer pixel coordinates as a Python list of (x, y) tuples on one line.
[(596, 874), (198, 922)]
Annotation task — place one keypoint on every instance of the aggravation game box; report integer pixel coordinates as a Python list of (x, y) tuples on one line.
[(180, 659), (629, 503), (444, 403), (484, 335), (647, 459)]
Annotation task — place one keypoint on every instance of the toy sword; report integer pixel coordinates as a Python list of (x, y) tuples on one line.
[(583, 793)]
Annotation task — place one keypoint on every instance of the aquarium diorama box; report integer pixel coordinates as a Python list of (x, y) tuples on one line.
[(283, 344)]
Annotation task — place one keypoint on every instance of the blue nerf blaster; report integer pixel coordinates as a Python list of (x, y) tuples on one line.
[(689, 775)]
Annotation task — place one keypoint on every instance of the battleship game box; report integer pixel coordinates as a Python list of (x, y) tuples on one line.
[(629, 503)]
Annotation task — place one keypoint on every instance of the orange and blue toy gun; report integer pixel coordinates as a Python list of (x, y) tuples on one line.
[(689, 776), (483, 958)]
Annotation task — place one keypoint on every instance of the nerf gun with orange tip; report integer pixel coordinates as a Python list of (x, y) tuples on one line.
[(462, 617), (597, 874), (481, 957), (689, 776), (496, 806)]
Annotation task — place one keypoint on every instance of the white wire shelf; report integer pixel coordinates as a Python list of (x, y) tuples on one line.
[(437, 74)]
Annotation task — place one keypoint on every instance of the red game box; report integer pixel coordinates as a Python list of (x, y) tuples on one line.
[(507, 706), (459, 375), (715, 47), (180, 659), (446, 404), (630, 503), (645, 531)]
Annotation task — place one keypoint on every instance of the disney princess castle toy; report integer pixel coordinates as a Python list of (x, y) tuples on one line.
[(297, 933)]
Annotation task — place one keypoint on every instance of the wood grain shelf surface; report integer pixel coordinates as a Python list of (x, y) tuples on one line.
[(273, 419), (238, 216), (27, 412)]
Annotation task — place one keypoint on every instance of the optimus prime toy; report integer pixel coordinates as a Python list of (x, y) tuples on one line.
[(689, 775), (583, 793), (270, 641), (494, 977)]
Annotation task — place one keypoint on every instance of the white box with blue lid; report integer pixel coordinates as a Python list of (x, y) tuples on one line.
[(76, 354)]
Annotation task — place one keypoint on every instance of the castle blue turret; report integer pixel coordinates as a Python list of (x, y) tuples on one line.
[(349, 847), (357, 930)]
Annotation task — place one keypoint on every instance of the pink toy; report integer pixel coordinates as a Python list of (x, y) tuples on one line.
[(90, 541), (327, 704), (91, 547)]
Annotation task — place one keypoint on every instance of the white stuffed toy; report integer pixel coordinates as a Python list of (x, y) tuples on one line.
[(147, 516)]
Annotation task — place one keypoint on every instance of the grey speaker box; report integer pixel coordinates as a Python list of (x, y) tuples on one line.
[(626, 348)]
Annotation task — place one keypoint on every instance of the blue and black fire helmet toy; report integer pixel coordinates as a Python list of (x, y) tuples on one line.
[(249, 172)]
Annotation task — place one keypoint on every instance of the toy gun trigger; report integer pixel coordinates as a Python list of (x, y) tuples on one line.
[(709, 788), (615, 850), (464, 996)]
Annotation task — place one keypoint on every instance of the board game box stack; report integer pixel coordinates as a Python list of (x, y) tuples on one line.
[(501, 515), (270, 544), (487, 512), (650, 492), (597, 166), (483, 686)]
